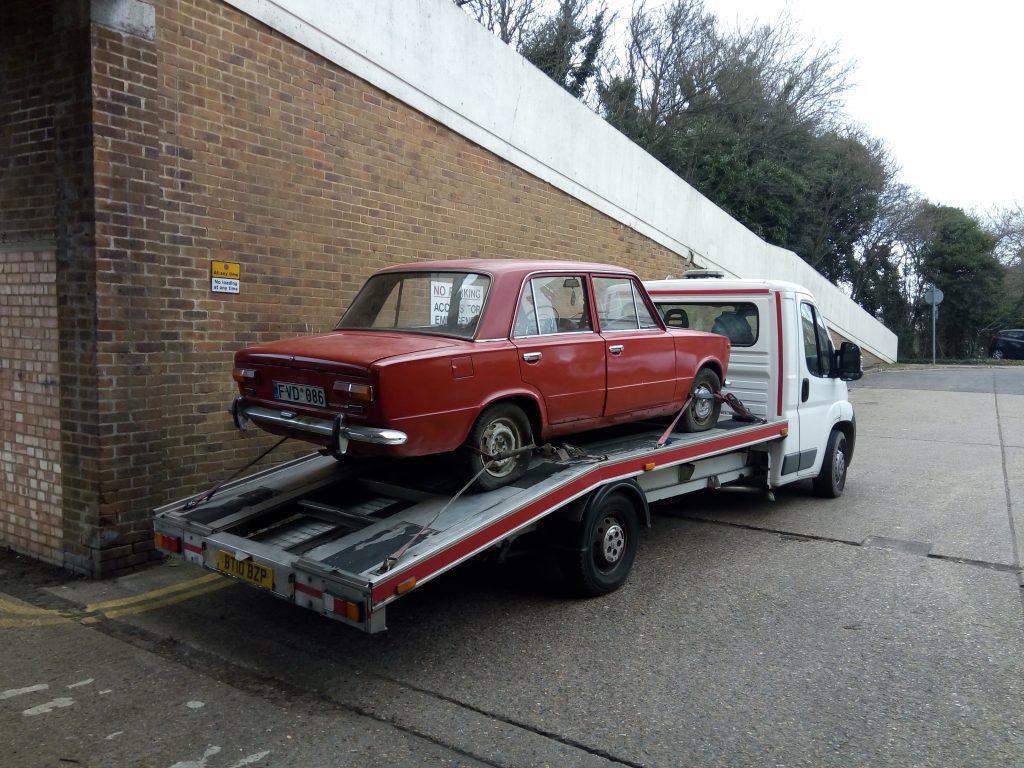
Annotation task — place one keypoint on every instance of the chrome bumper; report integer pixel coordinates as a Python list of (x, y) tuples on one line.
[(334, 432)]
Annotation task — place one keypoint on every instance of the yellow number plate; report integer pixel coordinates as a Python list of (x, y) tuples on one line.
[(246, 570)]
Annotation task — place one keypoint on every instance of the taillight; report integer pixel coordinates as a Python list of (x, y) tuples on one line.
[(361, 392), (348, 609), (245, 376), (167, 542)]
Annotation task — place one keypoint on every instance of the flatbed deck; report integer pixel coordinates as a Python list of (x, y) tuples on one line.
[(346, 538)]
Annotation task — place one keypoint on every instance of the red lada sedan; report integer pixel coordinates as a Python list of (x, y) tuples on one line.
[(481, 358)]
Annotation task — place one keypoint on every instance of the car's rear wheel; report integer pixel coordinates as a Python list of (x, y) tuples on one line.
[(501, 431), (703, 412), (997, 353)]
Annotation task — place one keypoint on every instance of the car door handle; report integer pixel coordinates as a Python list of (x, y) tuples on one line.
[(532, 357), (805, 390), (616, 349)]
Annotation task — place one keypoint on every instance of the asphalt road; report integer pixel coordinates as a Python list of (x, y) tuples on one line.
[(882, 628)]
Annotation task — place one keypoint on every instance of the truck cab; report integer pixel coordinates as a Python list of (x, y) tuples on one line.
[(783, 364)]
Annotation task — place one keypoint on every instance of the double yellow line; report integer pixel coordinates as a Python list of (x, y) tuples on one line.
[(19, 616)]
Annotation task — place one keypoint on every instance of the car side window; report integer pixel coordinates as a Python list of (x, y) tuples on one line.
[(620, 307), (817, 342), (554, 304)]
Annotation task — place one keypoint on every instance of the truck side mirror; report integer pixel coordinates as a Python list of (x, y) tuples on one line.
[(849, 364)]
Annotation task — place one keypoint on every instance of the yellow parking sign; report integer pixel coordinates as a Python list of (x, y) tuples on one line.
[(225, 276)]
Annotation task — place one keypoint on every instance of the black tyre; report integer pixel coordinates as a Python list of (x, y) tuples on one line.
[(501, 428), (997, 353), (609, 534), (831, 480), (703, 414)]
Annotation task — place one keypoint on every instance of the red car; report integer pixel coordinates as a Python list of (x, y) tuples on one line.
[(482, 357)]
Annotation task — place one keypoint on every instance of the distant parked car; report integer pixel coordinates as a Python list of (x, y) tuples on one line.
[(1008, 344), (481, 357)]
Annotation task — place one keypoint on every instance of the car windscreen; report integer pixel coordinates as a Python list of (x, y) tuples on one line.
[(437, 303)]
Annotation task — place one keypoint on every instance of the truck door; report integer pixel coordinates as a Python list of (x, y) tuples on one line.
[(559, 352), (818, 393)]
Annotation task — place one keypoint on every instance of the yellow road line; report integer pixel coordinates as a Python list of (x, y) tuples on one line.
[(19, 616), (9, 606), (146, 596), (39, 621), (173, 599)]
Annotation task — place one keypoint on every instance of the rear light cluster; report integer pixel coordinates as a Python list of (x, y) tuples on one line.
[(246, 377), (361, 392), (345, 608), (167, 542)]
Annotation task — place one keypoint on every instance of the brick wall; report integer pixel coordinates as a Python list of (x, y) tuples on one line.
[(30, 496)]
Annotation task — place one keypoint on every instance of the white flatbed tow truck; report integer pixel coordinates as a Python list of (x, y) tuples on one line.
[(347, 538)]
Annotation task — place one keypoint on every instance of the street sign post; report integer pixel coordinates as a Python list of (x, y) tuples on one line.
[(933, 296)]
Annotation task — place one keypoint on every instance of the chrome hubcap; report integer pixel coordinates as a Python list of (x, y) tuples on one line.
[(610, 541), (501, 436), (702, 408), (839, 468)]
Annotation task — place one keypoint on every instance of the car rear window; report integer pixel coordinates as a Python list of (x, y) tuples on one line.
[(437, 303)]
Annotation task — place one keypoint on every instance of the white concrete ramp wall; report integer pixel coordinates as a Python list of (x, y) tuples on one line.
[(430, 55)]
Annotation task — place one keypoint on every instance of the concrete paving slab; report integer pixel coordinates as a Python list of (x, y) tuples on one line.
[(959, 418), (938, 492), (1011, 421)]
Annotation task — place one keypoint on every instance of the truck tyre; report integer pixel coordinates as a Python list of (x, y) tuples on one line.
[(609, 534), (703, 414), (831, 480), (501, 428)]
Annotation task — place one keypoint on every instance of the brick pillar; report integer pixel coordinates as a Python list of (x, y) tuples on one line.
[(130, 288)]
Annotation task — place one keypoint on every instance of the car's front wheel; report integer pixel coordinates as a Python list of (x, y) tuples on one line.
[(494, 453)]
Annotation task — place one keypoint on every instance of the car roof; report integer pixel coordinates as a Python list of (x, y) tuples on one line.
[(521, 267)]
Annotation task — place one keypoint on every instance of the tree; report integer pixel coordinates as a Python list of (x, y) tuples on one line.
[(566, 46), (959, 259), (752, 120), (1007, 227), (510, 20)]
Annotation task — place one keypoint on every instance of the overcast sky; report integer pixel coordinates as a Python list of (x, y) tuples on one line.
[(941, 83)]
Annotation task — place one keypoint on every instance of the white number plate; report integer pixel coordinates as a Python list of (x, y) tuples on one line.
[(300, 393)]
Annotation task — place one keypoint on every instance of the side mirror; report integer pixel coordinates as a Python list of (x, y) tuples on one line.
[(849, 364)]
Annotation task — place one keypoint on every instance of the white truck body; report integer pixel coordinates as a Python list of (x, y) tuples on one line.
[(771, 372), (346, 539)]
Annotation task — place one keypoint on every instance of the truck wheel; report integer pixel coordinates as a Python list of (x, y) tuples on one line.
[(703, 414), (501, 428), (609, 536), (831, 480)]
